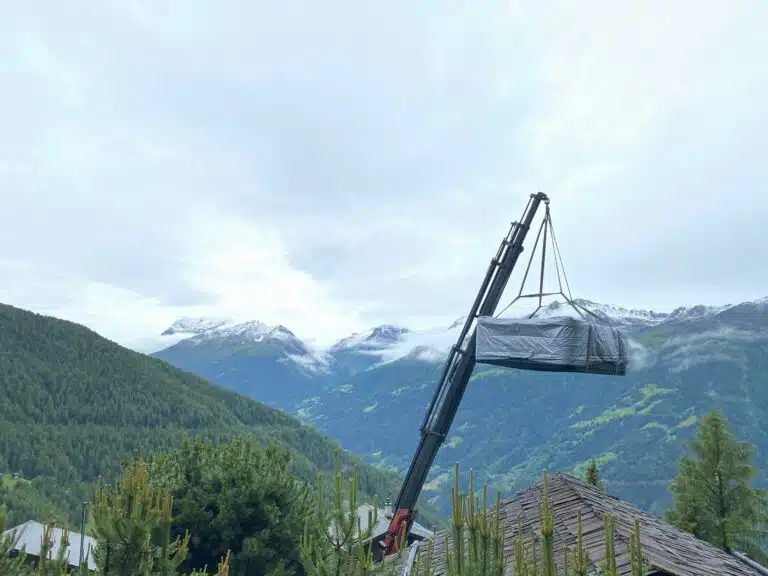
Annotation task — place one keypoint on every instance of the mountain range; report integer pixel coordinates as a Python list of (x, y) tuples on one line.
[(369, 391), (73, 405)]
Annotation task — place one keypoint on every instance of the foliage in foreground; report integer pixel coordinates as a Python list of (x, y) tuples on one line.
[(238, 505), (73, 404), (132, 525), (475, 542), (238, 497), (713, 497), (244, 495)]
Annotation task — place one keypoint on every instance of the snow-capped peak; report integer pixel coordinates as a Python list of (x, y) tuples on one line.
[(432, 344), (198, 331), (390, 342), (699, 311), (375, 338), (207, 328), (628, 316), (253, 330), (607, 312), (188, 325)]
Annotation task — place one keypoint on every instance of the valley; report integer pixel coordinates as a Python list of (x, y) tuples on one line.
[(287, 289), (369, 392), (73, 405)]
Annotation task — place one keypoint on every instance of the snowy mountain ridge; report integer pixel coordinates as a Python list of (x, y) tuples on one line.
[(207, 328), (514, 423), (189, 326), (633, 316), (388, 343), (374, 338)]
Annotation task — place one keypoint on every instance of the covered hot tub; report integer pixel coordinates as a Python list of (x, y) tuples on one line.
[(558, 344)]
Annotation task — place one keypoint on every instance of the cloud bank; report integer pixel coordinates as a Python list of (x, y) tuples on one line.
[(340, 165)]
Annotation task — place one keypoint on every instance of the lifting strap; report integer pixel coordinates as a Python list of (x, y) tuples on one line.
[(547, 231)]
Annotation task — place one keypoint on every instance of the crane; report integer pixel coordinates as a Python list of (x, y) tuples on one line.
[(455, 376)]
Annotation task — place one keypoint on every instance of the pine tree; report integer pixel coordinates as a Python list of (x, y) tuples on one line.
[(10, 566), (609, 567), (541, 562), (547, 529), (240, 496), (713, 497), (133, 529), (636, 560), (132, 525), (579, 556), (52, 566), (477, 546), (592, 475), (334, 542)]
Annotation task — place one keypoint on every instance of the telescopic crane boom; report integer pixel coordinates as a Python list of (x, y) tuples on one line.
[(455, 377)]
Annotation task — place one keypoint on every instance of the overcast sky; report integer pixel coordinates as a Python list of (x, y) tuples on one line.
[(336, 165)]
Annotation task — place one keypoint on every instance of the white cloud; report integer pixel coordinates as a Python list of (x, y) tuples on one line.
[(116, 313), (248, 271), (334, 166)]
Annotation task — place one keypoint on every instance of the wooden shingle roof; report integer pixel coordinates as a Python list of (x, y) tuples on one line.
[(665, 548)]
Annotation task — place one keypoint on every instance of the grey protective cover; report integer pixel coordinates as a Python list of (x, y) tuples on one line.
[(558, 344)]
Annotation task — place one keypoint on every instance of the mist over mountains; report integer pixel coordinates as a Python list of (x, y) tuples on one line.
[(369, 391)]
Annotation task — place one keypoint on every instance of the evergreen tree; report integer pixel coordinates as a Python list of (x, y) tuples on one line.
[(10, 566), (547, 530), (579, 557), (240, 497), (639, 567), (477, 545), (132, 526), (334, 541), (46, 564), (713, 497), (592, 475), (72, 404), (474, 545), (609, 567)]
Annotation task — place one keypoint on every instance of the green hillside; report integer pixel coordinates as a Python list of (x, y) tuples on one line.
[(73, 404), (513, 424)]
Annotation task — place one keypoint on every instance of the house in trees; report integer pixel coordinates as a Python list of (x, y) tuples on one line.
[(29, 537), (379, 530), (667, 550), (383, 517)]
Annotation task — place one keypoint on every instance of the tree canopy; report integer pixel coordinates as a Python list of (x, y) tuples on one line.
[(714, 499), (74, 404)]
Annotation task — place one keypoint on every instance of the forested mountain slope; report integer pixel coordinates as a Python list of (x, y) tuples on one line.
[(512, 424), (73, 404)]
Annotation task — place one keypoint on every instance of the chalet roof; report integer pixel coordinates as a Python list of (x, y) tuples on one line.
[(29, 536), (668, 550)]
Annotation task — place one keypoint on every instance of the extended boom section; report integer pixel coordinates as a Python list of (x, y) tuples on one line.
[(455, 376)]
